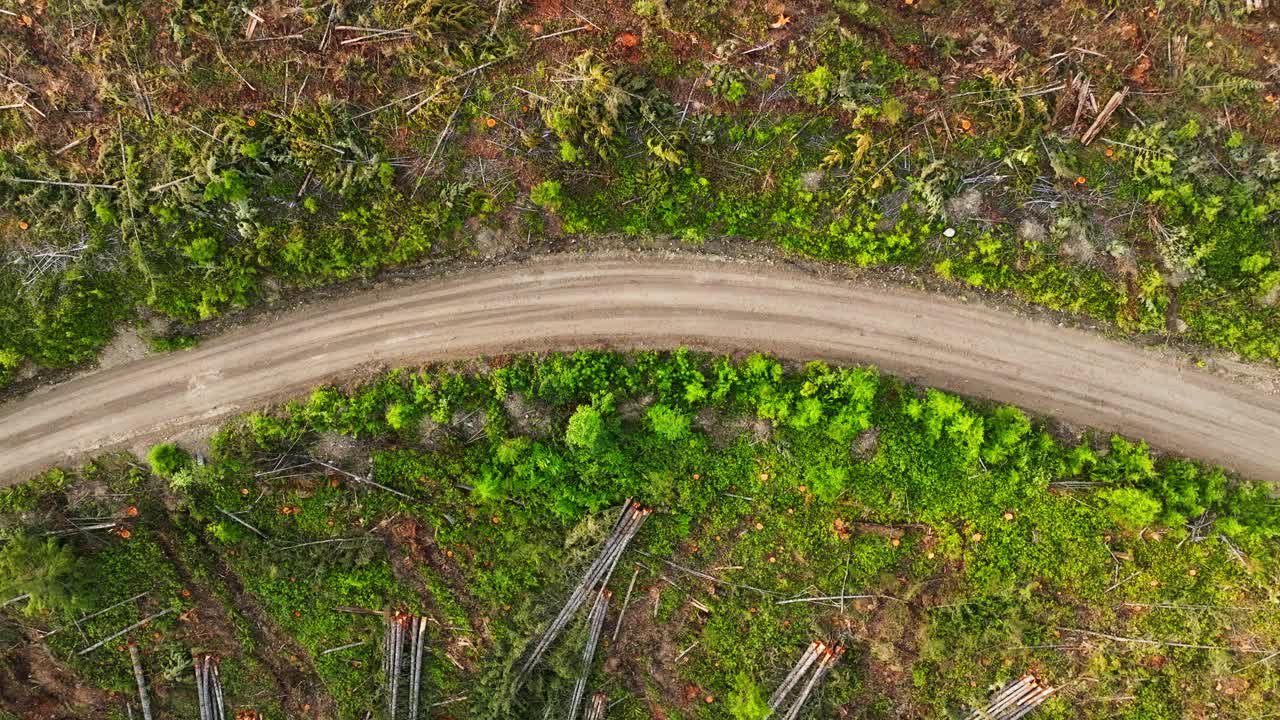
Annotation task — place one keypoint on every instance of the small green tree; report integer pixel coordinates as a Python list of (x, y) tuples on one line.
[(1130, 508), (668, 423), (546, 194), (167, 460), (746, 702), (44, 569), (586, 428)]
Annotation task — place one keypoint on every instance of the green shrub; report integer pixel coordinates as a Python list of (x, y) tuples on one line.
[(746, 702), (815, 86), (546, 194), (668, 423), (46, 569), (167, 460), (1130, 508)]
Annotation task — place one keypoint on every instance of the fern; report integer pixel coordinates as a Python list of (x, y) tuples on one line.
[(928, 186)]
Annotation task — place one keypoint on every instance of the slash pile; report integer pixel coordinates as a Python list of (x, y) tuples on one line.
[(403, 629), (1015, 700), (815, 663), (209, 688), (596, 576)]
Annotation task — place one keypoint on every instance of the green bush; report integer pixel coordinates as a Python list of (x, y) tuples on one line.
[(167, 460), (48, 570), (1130, 508), (746, 702)]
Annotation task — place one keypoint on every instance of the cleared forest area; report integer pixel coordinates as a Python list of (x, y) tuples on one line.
[(164, 163), (673, 533)]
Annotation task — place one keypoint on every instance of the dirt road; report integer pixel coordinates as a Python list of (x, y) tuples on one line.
[(656, 303)]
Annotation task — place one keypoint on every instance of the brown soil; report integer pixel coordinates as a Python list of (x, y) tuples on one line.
[(410, 547), (644, 657), (34, 685), (289, 664)]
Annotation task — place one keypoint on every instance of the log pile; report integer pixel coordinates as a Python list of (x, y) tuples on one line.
[(807, 675), (595, 710), (595, 624), (1015, 700), (209, 688), (403, 645), (595, 580)]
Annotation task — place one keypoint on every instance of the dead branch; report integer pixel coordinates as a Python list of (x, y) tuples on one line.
[(1100, 122), (595, 622), (1166, 643), (145, 701), (131, 628), (580, 28)]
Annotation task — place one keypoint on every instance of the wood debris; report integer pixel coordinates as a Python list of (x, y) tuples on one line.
[(143, 699), (1015, 700), (595, 624), (401, 665), (596, 576), (595, 710), (1101, 121), (209, 688), (815, 664)]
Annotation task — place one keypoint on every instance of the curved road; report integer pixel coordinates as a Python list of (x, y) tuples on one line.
[(656, 303)]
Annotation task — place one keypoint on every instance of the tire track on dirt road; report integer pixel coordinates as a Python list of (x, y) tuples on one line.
[(653, 303)]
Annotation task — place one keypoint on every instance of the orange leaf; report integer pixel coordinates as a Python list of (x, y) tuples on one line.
[(781, 22)]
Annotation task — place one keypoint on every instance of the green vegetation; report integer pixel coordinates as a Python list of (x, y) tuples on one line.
[(176, 161), (979, 546)]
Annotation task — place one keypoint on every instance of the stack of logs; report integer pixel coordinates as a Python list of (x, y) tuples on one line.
[(1015, 700), (595, 711), (595, 623), (597, 576), (593, 584), (403, 647), (815, 664), (209, 687)]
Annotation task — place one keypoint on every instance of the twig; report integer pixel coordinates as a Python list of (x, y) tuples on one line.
[(1259, 662), (835, 598), (132, 627), (145, 701), (324, 542), (625, 602), (686, 651), (1166, 643), (242, 522), (562, 32), (100, 612), (61, 183), (223, 57), (340, 648)]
